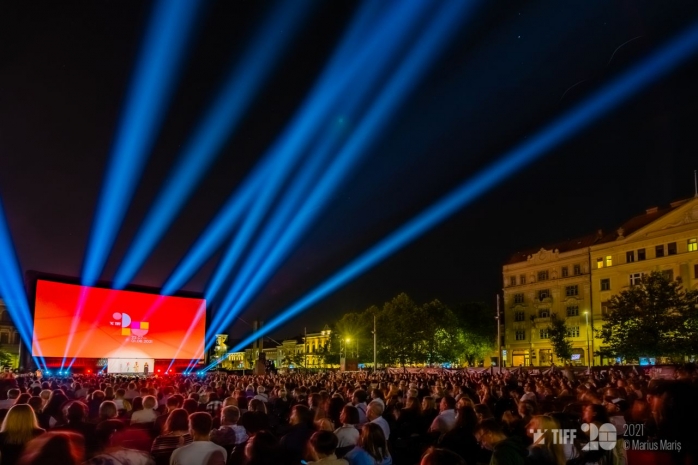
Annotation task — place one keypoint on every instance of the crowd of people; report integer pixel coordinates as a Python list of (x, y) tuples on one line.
[(364, 418)]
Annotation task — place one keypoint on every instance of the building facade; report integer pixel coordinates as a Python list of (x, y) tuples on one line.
[(554, 280), (9, 336), (302, 352), (575, 279), (662, 239)]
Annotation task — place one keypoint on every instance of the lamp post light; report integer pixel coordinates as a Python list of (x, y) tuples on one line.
[(586, 317)]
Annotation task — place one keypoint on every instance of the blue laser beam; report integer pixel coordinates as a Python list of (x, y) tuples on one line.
[(371, 61), (581, 116), (12, 289), (221, 121), (289, 145), (296, 222), (170, 25)]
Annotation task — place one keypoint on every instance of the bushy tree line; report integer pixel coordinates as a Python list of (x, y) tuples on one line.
[(410, 333)]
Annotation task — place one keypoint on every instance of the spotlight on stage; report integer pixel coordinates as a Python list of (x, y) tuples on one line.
[(658, 64), (154, 78)]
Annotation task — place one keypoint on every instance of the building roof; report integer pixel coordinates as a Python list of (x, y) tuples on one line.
[(630, 226)]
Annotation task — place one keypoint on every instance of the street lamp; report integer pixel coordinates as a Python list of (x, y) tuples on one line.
[(586, 317)]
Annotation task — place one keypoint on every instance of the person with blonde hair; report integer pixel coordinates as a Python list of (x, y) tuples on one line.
[(18, 428)]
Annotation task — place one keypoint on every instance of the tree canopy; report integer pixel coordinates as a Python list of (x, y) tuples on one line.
[(409, 333), (655, 318)]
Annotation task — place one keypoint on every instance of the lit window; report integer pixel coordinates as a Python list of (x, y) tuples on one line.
[(609, 260), (692, 245), (606, 284), (599, 263)]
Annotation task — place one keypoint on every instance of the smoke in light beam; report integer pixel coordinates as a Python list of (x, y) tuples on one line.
[(373, 57), (221, 121), (299, 215), (284, 153), (571, 122), (12, 290), (170, 25)]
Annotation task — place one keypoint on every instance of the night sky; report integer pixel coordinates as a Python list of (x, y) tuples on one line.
[(65, 68)]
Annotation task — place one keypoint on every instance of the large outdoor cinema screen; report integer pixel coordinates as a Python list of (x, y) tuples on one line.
[(79, 321)]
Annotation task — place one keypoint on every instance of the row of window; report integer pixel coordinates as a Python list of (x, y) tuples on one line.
[(635, 278), (544, 275), (572, 331), (570, 291), (572, 310), (639, 255)]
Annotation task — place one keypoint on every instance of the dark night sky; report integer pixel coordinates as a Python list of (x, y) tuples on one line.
[(65, 68)]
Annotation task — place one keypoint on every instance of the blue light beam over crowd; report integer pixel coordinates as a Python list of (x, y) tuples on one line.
[(170, 25), (290, 145), (570, 123), (282, 239), (363, 73), (216, 128), (12, 290)]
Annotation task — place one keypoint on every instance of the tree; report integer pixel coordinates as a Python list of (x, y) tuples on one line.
[(5, 358), (655, 318), (400, 330), (439, 334), (477, 330), (559, 338)]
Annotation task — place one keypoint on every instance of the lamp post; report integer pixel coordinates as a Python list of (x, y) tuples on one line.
[(586, 317)]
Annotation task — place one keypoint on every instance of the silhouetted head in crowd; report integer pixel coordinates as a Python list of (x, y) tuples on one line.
[(54, 448)]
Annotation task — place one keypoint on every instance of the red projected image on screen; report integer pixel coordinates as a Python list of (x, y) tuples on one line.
[(116, 324)]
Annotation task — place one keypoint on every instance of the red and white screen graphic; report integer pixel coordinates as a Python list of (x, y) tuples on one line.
[(80, 321)]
